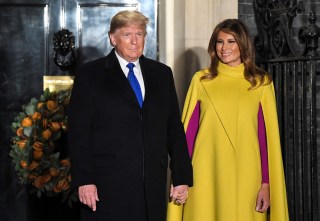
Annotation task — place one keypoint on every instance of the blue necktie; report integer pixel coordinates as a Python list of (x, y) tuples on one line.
[(134, 83)]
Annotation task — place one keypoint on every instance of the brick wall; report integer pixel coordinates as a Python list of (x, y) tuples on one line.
[(246, 14)]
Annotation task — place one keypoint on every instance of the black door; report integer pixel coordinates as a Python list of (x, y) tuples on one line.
[(27, 28)]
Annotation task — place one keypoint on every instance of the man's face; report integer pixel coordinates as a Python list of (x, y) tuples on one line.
[(129, 41)]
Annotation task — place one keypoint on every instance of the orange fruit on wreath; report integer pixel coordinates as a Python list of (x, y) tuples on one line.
[(37, 154), (23, 164), (26, 122), (46, 134), (52, 105)]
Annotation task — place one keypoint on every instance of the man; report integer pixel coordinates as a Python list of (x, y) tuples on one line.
[(119, 141)]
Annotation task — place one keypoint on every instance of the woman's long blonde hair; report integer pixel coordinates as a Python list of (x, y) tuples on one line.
[(255, 75)]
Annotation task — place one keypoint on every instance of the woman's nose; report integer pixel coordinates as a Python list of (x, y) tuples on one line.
[(225, 46)]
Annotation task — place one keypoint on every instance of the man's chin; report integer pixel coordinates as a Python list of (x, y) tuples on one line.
[(134, 56)]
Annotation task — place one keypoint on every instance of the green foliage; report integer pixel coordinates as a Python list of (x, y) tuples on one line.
[(36, 145)]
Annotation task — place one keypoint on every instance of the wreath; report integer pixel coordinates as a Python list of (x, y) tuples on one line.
[(38, 147)]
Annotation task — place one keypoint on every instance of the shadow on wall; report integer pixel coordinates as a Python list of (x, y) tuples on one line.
[(188, 63)]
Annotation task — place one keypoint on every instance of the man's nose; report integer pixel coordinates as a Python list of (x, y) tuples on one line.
[(133, 39)]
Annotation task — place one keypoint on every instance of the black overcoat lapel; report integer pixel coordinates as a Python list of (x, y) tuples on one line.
[(115, 74), (149, 78)]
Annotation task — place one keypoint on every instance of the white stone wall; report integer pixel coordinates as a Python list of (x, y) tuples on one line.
[(185, 27)]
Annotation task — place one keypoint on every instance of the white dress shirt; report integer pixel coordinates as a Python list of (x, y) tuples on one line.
[(136, 70)]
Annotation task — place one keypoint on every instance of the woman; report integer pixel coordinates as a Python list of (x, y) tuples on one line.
[(238, 169)]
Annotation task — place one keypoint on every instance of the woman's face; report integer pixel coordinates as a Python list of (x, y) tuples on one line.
[(227, 49)]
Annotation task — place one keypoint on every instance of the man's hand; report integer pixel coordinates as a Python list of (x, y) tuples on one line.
[(263, 198), (88, 195), (179, 194)]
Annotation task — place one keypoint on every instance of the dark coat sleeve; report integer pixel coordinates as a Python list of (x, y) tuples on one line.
[(180, 163), (80, 114)]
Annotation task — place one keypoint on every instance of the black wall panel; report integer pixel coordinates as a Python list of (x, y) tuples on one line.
[(27, 28)]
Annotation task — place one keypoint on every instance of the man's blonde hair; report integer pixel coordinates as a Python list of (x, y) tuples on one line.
[(128, 17)]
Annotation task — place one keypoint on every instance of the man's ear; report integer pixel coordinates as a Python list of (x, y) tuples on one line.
[(112, 39)]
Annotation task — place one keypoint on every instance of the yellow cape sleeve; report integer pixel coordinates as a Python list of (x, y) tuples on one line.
[(191, 99), (278, 196)]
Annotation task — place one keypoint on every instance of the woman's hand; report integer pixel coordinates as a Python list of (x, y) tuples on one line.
[(179, 194), (263, 198)]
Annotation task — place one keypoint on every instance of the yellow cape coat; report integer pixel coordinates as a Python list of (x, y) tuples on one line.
[(226, 156)]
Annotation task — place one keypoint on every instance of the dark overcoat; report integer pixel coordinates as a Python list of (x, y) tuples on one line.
[(121, 148)]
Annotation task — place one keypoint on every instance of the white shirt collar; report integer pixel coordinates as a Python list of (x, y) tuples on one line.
[(137, 71), (123, 63)]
